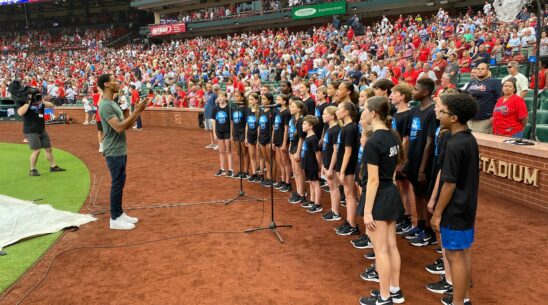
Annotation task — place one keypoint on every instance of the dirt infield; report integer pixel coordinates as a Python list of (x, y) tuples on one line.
[(314, 266)]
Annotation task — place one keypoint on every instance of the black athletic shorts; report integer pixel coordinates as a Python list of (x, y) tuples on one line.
[(223, 135), (312, 175)]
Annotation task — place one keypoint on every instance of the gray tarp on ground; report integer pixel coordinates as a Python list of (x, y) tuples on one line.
[(21, 219)]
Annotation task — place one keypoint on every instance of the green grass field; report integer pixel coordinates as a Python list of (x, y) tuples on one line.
[(65, 191)]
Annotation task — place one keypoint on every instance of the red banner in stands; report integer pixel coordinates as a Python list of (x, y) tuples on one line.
[(167, 29)]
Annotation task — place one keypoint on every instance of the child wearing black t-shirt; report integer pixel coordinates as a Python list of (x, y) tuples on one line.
[(455, 212), (296, 139), (251, 127), (266, 116), (329, 152), (221, 132), (421, 131), (238, 133), (310, 160), (380, 203), (347, 157), (280, 140), (400, 97)]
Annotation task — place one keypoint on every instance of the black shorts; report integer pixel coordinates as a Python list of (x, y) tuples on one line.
[(238, 136), (293, 147), (99, 126), (387, 206), (264, 141), (252, 141), (38, 140), (312, 175), (400, 177), (223, 135)]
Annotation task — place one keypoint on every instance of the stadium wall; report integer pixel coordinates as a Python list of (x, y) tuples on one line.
[(518, 173)]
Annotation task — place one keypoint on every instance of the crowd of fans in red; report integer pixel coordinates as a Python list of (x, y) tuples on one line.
[(400, 49)]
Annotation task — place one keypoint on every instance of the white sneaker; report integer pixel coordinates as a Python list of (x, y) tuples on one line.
[(120, 224), (209, 146), (101, 147), (129, 219), (216, 147)]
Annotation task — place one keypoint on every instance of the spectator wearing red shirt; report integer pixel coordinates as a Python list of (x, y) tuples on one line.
[(445, 84), (134, 100), (542, 76), (465, 62), (410, 75), (510, 112), (439, 67)]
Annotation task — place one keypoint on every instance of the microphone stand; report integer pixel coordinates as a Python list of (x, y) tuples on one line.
[(273, 226), (241, 193)]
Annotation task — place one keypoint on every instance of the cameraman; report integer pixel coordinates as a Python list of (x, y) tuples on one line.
[(31, 108)]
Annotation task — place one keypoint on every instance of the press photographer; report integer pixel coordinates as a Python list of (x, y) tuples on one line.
[(30, 107)]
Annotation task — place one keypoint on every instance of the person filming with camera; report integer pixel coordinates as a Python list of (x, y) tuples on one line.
[(30, 107)]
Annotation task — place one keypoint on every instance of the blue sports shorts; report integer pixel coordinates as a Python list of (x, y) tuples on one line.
[(456, 239)]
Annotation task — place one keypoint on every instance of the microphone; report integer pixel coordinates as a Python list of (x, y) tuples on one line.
[(270, 106)]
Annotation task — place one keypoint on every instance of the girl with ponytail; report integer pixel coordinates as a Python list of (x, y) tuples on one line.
[(380, 203)]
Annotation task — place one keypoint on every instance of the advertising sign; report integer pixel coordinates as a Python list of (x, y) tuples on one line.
[(167, 29), (318, 10)]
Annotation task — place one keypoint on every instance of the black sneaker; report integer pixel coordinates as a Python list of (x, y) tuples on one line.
[(436, 267), (302, 199), (56, 169), (349, 230), (403, 227), (422, 240), (266, 183), (323, 183), (34, 172), (307, 204), (376, 301), (326, 189), (397, 297), (220, 173), (252, 178), (370, 275), (315, 208), (363, 244), (245, 176), (412, 233), (448, 300), (237, 175), (295, 198), (259, 179), (370, 255), (278, 185), (440, 287), (438, 250), (230, 174), (331, 216), (286, 188), (359, 239), (342, 226)]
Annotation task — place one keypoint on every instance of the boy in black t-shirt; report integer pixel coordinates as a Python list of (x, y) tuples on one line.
[(310, 160), (455, 213), (421, 131)]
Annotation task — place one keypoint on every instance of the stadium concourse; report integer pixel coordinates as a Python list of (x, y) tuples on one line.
[(190, 248)]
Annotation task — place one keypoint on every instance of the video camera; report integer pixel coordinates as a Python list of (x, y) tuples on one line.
[(24, 94)]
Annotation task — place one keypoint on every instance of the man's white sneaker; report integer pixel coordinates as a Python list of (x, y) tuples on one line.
[(120, 224), (101, 147), (216, 147), (129, 219)]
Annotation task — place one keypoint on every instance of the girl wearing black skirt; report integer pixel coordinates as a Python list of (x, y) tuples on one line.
[(380, 202), (265, 136)]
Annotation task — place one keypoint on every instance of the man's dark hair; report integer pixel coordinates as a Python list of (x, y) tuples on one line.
[(103, 78), (462, 105), (132, 86), (384, 84), (427, 84)]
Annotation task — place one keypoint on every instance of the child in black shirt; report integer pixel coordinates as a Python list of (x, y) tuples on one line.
[(329, 152), (455, 213), (400, 97), (310, 160), (380, 203), (347, 157), (296, 139), (252, 122), (421, 131), (266, 116), (281, 140), (238, 133), (221, 131)]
